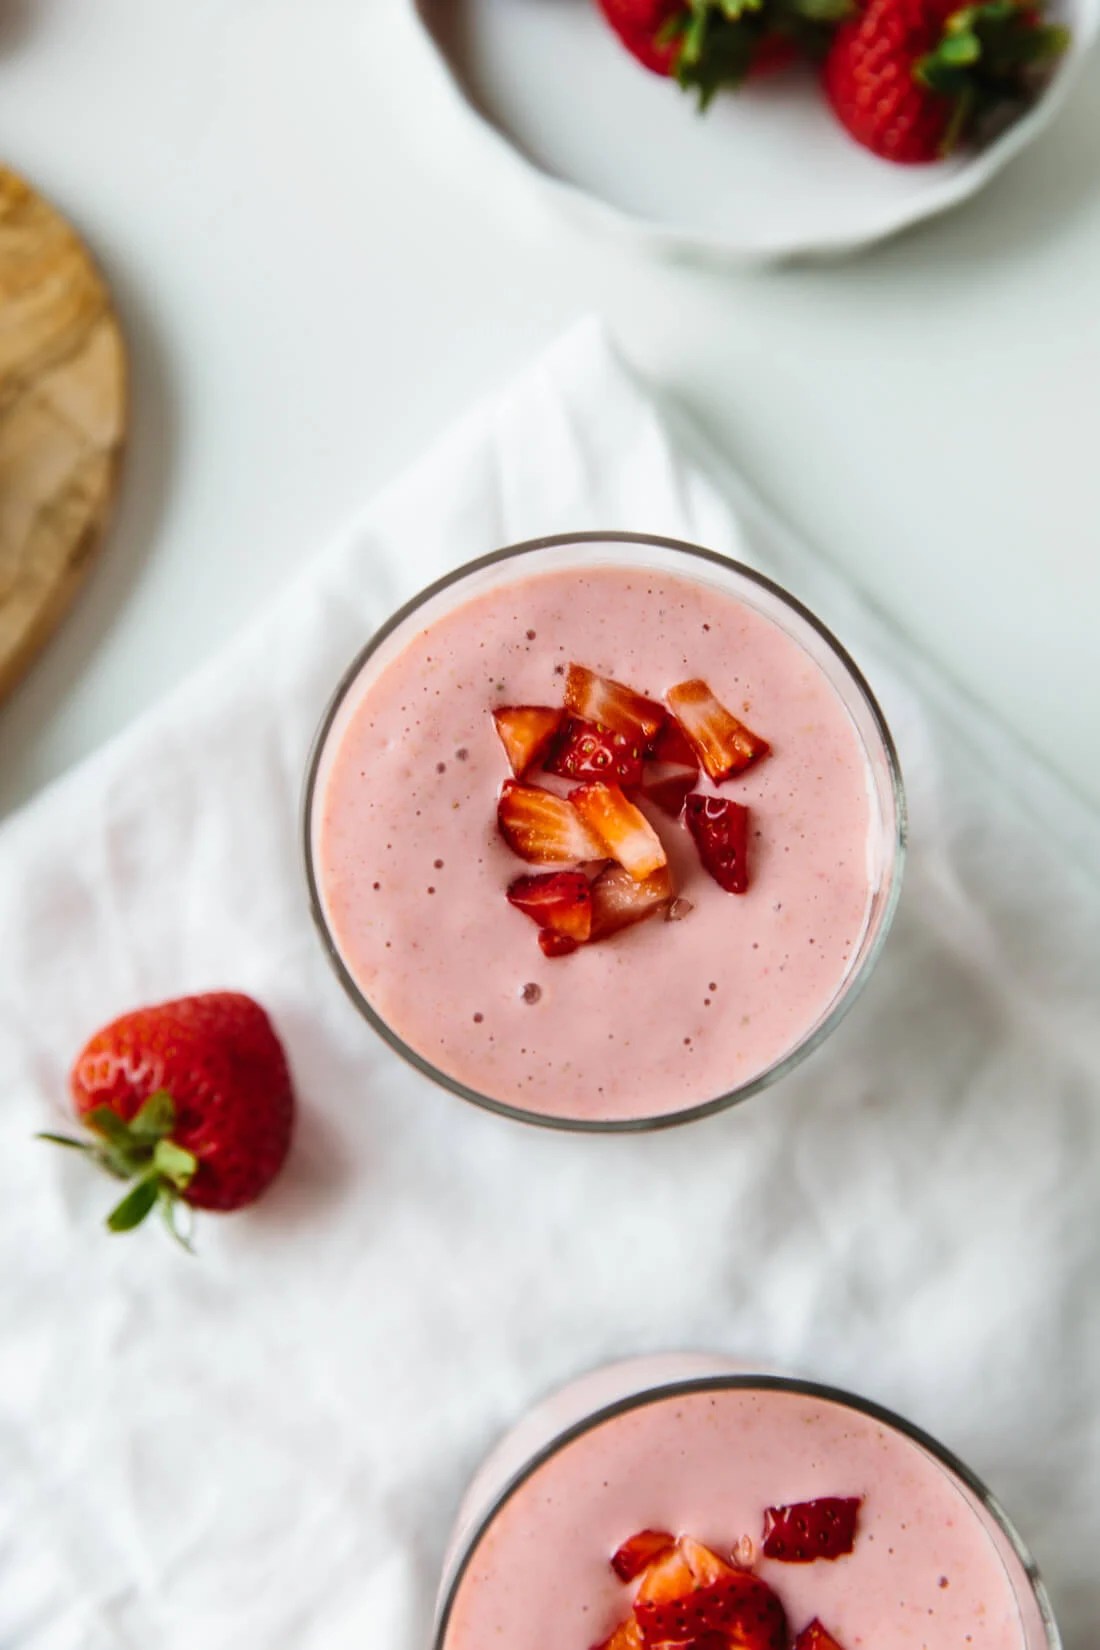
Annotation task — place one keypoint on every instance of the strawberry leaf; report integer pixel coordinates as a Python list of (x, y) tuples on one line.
[(63, 1140), (174, 1164), (155, 1118), (109, 1125), (135, 1205)]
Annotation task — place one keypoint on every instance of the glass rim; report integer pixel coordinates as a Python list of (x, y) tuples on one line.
[(689, 1385), (850, 987)]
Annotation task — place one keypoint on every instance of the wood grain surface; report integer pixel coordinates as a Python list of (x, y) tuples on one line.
[(62, 419)]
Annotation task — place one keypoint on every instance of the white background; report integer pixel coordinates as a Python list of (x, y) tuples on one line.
[(315, 274)]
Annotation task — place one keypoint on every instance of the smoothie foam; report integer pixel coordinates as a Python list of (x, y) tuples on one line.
[(412, 873), (923, 1575)]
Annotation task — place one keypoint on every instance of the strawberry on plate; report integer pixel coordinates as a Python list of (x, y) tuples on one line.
[(526, 732), (640, 1551), (723, 745), (720, 828), (595, 698), (544, 828), (808, 1530), (816, 1637), (912, 79), (623, 830), (585, 750), (711, 44), (618, 901), (190, 1099), (692, 1595), (559, 901)]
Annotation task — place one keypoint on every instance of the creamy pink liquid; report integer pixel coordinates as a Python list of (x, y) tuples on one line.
[(666, 1015), (923, 1575)]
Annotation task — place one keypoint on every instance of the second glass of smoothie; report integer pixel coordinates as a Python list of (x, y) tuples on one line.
[(715, 765), (754, 1511)]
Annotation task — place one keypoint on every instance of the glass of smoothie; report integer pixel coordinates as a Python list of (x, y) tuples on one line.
[(603, 832), (682, 1501)]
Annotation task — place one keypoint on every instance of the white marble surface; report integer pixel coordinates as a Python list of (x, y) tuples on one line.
[(316, 271)]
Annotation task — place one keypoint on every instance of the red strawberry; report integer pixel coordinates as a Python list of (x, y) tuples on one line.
[(598, 699), (559, 901), (721, 832), (816, 1637), (806, 1530), (639, 25), (692, 1597), (191, 1098), (672, 770), (627, 1636), (672, 745), (543, 828), (587, 751), (708, 47), (623, 830), (526, 732), (911, 79), (619, 902), (724, 745), (640, 1551), (555, 945)]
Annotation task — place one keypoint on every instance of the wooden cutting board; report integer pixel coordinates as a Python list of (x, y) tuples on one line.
[(62, 419)]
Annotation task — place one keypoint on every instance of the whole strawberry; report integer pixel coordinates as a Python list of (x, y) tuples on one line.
[(713, 44), (191, 1100), (912, 79)]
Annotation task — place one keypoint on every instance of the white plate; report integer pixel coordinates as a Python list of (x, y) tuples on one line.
[(765, 175)]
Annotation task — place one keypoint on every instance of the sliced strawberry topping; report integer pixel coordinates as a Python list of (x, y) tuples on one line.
[(721, 831), (724, 745), (598, 699), (640, 1552), (558, 900), (668, 787), (627, 1636), (543, 828), (806, 1530), (672, 745), (587, 751), (555, 945), (623, 829), (692, 1597), (813, 1637), (526, 732), (618, 901)]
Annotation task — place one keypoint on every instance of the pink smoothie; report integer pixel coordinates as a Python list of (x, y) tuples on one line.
[(924, 1573), (412, 872)]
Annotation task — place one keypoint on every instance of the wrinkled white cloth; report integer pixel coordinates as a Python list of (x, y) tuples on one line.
[(264, 1447)]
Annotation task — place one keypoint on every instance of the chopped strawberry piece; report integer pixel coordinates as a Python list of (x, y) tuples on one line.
[(627, 1636), (724, 745), (526, 732), (598, 699), (623, 830), (557, 900), (813, 1637), (619, 902), (587, 751), (721, 831), (640, 1552), (543, 828), (667, 1580), (556, 945), (672, 745), (807, 1530), (668, 787), (692, 1596)]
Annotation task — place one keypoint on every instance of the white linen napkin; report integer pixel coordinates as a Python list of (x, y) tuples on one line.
[(264, 1447)]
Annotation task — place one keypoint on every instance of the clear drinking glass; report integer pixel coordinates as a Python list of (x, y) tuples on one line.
[(629, 551), (596, 1400)]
